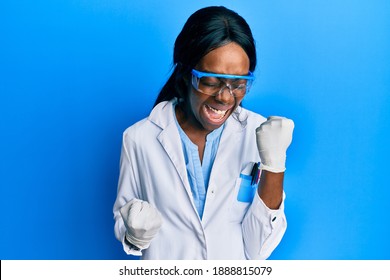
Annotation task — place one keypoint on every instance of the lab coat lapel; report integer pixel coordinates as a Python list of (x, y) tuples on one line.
[(162, 116), (170, 140)]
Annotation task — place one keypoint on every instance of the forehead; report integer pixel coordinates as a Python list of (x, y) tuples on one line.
[(227, 59)]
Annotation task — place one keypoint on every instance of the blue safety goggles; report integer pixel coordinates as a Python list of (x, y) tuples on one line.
[(213, 83)]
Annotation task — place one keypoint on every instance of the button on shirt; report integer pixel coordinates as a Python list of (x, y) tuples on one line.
[(199, 173)]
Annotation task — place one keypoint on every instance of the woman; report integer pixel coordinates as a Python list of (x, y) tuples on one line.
[(201, 177)]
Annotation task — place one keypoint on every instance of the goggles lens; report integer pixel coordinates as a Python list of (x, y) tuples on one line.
[(213, 84)]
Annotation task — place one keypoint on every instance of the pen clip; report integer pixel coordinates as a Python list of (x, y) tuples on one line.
[(255, 172)]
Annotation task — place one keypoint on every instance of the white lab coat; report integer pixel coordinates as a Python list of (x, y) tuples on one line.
[(153, 169)]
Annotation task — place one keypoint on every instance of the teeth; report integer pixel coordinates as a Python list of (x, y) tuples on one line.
[(219, 112)]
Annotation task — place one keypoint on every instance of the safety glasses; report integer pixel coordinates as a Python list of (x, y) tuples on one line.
[(213, 84)]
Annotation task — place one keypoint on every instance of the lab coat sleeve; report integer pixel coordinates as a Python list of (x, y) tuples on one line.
[(263, 229), (127, 189)]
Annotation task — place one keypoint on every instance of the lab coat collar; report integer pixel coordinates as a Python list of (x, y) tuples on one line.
[(162, 113)]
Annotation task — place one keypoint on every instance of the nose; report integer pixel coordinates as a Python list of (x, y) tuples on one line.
[(225, 94)]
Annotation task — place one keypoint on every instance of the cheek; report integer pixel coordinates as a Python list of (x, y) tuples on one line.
[(196, 102), (238, 101)]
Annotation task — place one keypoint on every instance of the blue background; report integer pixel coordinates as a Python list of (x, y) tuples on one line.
[(75, 74)]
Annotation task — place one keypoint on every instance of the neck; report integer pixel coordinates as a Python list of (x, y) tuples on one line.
[(189, 124)]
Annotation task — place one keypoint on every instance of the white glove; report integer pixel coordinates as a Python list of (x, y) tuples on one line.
[(142, 222), (273, 138)]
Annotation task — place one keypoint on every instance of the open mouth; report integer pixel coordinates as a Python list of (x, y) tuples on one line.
[(215, 115)]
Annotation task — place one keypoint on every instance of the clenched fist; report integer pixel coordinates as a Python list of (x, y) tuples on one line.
[(273, 138), (142, 222)]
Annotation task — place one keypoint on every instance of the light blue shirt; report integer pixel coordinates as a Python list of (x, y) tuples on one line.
[(199, 173)]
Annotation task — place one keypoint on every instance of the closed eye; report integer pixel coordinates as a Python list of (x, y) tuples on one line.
[(210, 82), (239, 87)]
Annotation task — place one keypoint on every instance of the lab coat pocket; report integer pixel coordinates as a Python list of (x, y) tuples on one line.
[(243, 195)]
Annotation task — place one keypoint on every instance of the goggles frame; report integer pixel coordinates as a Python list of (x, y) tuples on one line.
[(197, 75)]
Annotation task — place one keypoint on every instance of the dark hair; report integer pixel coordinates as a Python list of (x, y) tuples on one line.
[(204, 31)]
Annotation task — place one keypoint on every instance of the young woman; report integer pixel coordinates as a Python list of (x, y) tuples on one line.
[(202, 177)]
